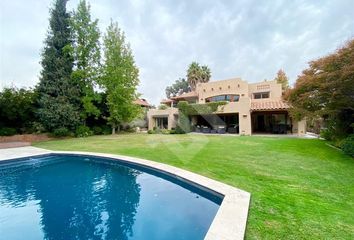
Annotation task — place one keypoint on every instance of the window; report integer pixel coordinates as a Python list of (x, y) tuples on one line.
[(220, 98), (261, 95)]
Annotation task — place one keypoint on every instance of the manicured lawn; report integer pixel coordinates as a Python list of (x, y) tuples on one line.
[(301, 188)]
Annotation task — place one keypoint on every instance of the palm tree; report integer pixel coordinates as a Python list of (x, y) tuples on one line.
[(197, 74)]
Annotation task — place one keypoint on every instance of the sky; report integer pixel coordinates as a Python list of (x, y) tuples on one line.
[(240, 38)]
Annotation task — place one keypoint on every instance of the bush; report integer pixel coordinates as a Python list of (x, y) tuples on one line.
[(348, 145), (83, 131), (106, 130), (326, 134), (7, 131), (62, 132), (97, 130), (151, 131), (165, 131), (179, 130), (173, 131)]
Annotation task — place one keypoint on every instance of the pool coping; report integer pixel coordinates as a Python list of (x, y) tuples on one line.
[(231, 218)]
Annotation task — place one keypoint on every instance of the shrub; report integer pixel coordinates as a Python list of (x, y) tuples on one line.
[(97, 130), (151, 132), (37, 128), (348, 145), (179, 130), (162, 107), (326, 134), (173, 131), (62, 132), (165, 131), (106, 130), (83, 131), (6, 131)]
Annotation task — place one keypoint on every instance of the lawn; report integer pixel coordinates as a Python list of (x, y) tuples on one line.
[(301, 188)]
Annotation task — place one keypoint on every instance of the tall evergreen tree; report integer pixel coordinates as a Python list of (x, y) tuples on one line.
[(282, 79), (58, 96), (86, 53), (120, 78)]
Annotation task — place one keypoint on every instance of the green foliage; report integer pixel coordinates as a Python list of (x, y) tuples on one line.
[(162, 107), (86, 53), (17, 108), (348, 145), (6, 131), (150, 131), (180, 86), (180, 130), (61, 132), (282, 79), (186, 109), (120, 78), (97, 130), (197, 74), (198, 109), (83, 131), (326, 134), (59, 96), (325, 90), (173, 131)]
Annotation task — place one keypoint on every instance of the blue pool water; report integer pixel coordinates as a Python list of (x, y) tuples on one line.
[(81, 197)]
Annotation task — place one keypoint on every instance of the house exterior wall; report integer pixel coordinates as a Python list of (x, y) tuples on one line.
[(234, 86), (170, 113)]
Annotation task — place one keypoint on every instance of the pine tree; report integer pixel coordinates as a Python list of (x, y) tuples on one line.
[(86, 53), (282, 79), (120, 78), (58, 96)]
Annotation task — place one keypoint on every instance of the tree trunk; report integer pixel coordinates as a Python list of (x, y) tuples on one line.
[(118, 128), (113, 129)]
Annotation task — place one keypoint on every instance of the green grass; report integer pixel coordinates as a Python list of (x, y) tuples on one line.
[(301, 188)]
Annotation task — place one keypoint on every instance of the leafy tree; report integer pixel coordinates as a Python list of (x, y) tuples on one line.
[(180, 86), (86, 53), (197, 74), (59, 96), (326, 90), (17, 108), (120, 78), (282, 79)]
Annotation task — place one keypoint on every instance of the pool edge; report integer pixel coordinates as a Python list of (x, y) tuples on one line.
[(231, 218)]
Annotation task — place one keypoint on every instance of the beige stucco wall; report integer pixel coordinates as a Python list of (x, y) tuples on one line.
[(267, 86), (170, 113)]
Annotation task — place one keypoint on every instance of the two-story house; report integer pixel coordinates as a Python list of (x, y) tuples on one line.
[(250, 108)]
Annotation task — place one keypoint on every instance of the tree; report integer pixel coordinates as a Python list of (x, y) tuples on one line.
[(197, 74), (326, 90), (180, 86), (86, 53), (282, 79), (120, 78), (17, 108), (59, 96)]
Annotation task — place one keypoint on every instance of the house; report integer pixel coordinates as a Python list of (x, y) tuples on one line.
[(250, 108)]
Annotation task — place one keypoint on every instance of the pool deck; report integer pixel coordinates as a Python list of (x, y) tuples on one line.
[(231, 218)]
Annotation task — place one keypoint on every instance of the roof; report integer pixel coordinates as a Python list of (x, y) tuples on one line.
[(166, 101), (269, 105), (186, 95), (142, 102)]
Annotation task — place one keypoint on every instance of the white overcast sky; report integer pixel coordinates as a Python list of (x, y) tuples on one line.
[(243, 38)]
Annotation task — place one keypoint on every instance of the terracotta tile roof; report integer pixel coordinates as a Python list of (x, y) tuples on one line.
[(269, 105), (166, 101), (142, 102), (186, 95)]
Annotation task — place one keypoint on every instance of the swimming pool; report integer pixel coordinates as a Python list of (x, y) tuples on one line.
[(60, 196)]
